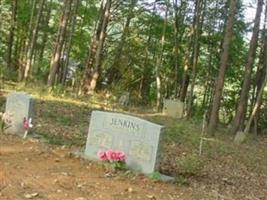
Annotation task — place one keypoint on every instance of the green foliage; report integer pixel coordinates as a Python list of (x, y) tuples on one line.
[(58, 90), (155, 176), (65, 120), (181, 180), (118, 165), (130, 53), (183, 132)]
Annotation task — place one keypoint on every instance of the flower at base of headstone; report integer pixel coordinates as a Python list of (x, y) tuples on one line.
[(121, 156), (102, 155), (27, 124), (115, 158)]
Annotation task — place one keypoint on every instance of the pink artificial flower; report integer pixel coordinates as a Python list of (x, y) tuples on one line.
[(111, 155), (114, 156), (121, 156), (27, 123), (102, 155)]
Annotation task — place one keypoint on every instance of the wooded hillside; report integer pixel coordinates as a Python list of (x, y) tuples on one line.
[(205, 53)]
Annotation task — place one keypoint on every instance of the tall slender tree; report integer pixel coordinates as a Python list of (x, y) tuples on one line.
[(114, 72), (68, 44), (196, 30), (55, 60), (160, 56), (213, 119), (261, 79), (11, 33), (94, 59), (44, 38), (238, 122), (32, 42)]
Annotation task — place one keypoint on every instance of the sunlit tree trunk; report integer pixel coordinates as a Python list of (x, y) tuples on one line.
[(23, 56), (213, 119), (194, 59), (55, 60), (69, 41), (94, 59), (159, 59), (32, 42), (239, 118), (44, 37), (185, 76), (260, 83), (257, 103)]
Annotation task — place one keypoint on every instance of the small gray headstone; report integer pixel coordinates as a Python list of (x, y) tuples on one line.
[(173, 108), (124, 99), (137, 138), (20, 105)]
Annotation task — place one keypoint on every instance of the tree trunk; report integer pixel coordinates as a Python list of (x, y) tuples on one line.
[(11, 33), (195, 54), (115, 72), (94, 60), (55, 61), (176, 48), (185, 76), (261, 76), (69, 43), (23, 56), (159, 59), (213, 119), (33, 39), (146, 71), (257, 105), (45, 34), (239, 118)]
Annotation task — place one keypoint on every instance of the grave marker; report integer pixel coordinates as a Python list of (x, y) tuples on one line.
[(173, 108), (20, 105), (137, 138)]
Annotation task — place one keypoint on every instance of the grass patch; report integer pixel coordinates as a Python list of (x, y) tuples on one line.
[(181, 180), (155, 176), (58, 140), (64, 120)]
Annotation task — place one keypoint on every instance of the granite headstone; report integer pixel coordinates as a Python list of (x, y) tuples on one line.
[(19, 105), (138, 138), (173, 108)]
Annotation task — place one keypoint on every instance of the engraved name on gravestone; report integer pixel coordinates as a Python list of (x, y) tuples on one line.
[(20, 105), (138, 138)]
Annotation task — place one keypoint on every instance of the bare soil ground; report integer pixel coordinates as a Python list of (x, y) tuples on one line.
[(33, 170)]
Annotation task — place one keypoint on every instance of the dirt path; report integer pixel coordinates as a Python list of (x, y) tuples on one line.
[(33, 170)]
